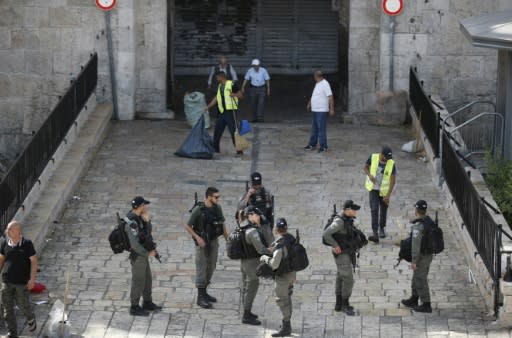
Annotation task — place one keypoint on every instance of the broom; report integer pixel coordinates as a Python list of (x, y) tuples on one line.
[(241, 143)]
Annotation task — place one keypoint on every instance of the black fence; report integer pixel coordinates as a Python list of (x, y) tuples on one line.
[(484, 231), (27, 168), (427, 115)]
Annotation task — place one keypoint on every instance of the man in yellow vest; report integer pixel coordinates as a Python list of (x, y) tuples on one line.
[(228, 93), (380, 173)]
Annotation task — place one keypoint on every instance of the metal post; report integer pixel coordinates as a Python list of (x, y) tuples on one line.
[(498, 272), (113, 81), (391, 55)]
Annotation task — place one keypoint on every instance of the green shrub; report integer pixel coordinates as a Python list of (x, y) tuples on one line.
[(499, 181)]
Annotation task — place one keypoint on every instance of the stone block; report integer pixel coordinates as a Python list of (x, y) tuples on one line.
[(61, 63), (391, 107), (49, 38), (364, 38), (65, 16), (24, 39), (5, 38), (12, 113), (35, 17), (12, 61), (152, 78), (5, 85), (11, 16), (38, 62), (365, 17)]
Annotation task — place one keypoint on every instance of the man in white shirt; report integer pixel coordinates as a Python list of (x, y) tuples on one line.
[(223, 66), (320, 104), (259, 81)]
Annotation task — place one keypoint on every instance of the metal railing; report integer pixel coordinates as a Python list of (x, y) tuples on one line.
[(427, 115), (479, 223), (25, 171)]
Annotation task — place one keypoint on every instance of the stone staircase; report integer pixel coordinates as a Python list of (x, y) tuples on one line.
[(46, 202)]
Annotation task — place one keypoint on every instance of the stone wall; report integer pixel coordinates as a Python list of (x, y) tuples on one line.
[(151, 23), (427, 35), (43, 44)]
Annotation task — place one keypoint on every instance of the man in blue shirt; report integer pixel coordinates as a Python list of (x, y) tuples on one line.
[(259, 80)]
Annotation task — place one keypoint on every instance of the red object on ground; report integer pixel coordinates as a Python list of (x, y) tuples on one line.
[(38, 288)]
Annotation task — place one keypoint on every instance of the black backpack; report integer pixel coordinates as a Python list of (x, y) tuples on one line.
[(433, 242), (118, 238), (297, 255), (235, 245)]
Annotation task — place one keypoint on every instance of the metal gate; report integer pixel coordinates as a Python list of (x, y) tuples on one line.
[(290, 36)]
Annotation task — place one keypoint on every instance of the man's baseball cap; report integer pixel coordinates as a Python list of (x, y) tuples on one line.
[(220, 73), (421, 205), (253, 210), (349, 204), (255, 62), (386, 151), (281, 223), (138, 201), (256, 178)]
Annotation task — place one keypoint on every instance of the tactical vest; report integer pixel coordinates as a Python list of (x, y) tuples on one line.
[(210, 222), (285, 241), (386, 177), (345, 240), (250, 249), (231, 102), (259, 200)]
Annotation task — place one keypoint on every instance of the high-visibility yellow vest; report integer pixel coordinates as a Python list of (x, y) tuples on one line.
[(231, 102), (386, 177)]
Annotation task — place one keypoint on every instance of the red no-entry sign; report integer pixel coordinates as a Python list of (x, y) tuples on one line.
[(392, 7), (106, 5)]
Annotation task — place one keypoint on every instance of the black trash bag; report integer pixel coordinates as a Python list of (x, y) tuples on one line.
[(198, 144)]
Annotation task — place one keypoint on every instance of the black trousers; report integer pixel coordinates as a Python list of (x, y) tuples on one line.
[(224, 120), (379, 210)]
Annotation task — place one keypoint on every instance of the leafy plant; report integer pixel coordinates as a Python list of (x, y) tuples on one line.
[(499, 181)]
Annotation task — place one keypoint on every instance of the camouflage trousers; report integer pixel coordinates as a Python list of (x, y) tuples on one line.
[(12, 295)]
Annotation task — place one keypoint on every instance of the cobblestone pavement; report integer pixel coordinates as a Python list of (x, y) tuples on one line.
[(137, 158)]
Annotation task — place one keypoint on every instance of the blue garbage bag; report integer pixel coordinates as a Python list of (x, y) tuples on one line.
[(198, 144)]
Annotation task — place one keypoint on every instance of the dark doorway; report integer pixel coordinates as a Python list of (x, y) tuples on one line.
[(291, 37)]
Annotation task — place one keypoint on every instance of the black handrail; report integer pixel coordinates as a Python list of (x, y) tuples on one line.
[(427, 115), (25, 171)]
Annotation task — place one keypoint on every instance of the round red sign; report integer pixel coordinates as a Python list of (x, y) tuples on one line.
[(106, 5), (392, 7)]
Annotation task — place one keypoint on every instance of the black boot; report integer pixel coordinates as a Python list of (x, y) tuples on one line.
[(248, 319), (346, 308), (411, 302), (136, 310), (150, 306), (425, 308), (202, 301), (337, 307), (286, 330), (374, 238), (347, 304), (210, 298)]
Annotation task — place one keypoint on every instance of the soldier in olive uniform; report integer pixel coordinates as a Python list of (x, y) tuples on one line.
[(260, 197), (420, 263), (341, 230), (284, 276), (205, 225), (256, 245), (139, 232)]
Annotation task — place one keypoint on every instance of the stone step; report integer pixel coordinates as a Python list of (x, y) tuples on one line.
[(39, 221)]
